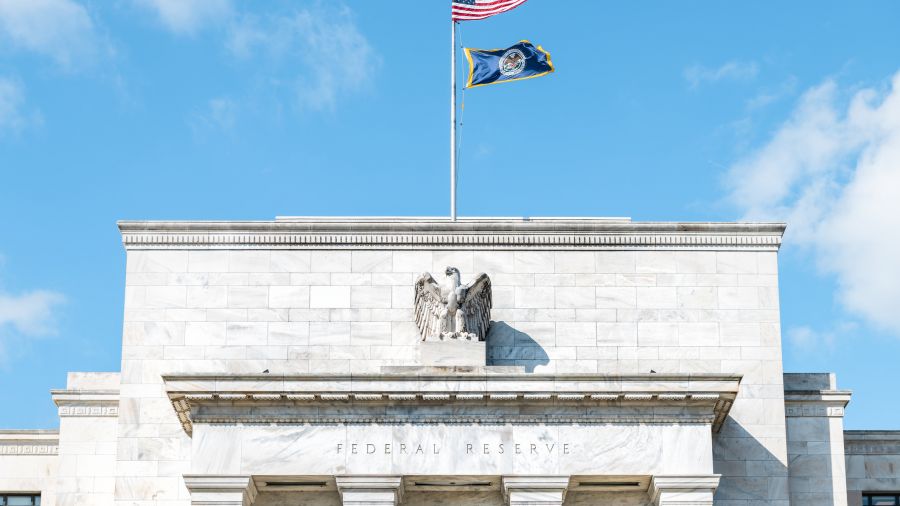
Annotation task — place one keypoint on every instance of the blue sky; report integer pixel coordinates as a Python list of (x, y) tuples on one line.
[(694, 111)]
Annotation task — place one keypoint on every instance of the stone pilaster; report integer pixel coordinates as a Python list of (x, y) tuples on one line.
[(220, 490), (370, 490), (695, 490), (814, 410), (534, 490)]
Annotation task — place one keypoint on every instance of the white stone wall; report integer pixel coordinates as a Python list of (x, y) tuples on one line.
[(452, 449), (873, 463), (87, 440), (346, 310), (815, 430), (28, 463)]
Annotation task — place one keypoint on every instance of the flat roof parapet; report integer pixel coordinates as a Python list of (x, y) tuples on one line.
[(469, 233)]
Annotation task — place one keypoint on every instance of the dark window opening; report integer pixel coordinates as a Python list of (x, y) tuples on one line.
[(20, 499), (876, 499)]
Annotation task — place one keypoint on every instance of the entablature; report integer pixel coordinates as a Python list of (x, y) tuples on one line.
[(29, 442), (470, 398), (872, 442), (424, 233), (92, 403), (816, 403)]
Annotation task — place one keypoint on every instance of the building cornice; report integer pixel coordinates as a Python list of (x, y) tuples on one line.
[(872, 442), (699, 398), (562, 234), (816, 403), (29, 442), (93, 403)]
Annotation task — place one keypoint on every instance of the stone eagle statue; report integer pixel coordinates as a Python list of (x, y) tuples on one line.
[(451, 310)]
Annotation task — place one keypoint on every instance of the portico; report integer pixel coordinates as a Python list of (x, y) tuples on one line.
[(526, 438)]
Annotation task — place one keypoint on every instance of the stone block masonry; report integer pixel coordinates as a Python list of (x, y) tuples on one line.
[(334, 296)]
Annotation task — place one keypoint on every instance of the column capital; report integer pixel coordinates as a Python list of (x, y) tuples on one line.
[(361, 490), (683, 490), (534, 490), (220, 490)]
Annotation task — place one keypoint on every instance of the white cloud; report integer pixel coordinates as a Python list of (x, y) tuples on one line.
[(320, 53), (30, 313), (13, 115), (806, 339), (822, 341), (832, 171), (27, 315), (11, 100), (733, 70), (188, 16), (60, 29)]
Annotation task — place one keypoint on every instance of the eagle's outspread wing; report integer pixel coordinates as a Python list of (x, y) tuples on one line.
[(429, 307), (476, 306)]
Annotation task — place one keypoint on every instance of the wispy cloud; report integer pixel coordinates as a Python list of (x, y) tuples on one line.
[(13, 117), (806, 339), (189, 16), (318, 54), (770, 95), (832, 171), (59, 29), (27, 315), (219, 114), (697, 74)]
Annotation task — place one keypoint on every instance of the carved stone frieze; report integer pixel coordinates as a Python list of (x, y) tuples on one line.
[(872, 442), (87, 403), (422, 399), (29, 442), (398, 233), (815, 403), (29, 448), (89, 410)]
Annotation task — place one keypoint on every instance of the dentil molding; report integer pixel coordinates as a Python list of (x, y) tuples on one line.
[(426, 233), (518, 398)]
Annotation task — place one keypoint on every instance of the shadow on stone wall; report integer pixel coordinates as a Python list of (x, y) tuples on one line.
[(751, 474), (508, 346)]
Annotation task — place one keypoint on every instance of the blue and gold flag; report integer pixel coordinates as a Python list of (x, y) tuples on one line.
[(520, 61)]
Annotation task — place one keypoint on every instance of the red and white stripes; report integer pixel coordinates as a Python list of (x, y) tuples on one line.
[(468, 10)]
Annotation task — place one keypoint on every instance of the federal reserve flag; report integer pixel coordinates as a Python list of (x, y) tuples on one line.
[(520, 61)]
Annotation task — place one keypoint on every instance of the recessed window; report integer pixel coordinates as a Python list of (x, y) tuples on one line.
[(881, 500), (20, 500)]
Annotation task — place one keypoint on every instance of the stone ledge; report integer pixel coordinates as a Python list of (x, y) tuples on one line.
[(687, 489), (220, 489), (91, 403), (518, 398), (337, 233), (29, 442), (872, 442), (815, 403)]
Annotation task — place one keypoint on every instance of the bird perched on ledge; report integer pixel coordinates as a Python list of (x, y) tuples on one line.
[(451, 310)]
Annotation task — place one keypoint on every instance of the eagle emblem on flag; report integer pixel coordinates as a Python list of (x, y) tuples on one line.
[(512, 62)]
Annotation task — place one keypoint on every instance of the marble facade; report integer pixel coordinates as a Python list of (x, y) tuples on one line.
[(278, 363)]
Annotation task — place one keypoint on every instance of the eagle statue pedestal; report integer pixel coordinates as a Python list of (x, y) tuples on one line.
[(453, 352)]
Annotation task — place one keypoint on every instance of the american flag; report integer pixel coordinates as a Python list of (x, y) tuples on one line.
[(466, 10)]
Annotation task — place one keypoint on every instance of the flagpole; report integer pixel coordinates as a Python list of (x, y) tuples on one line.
[(453, 120)]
